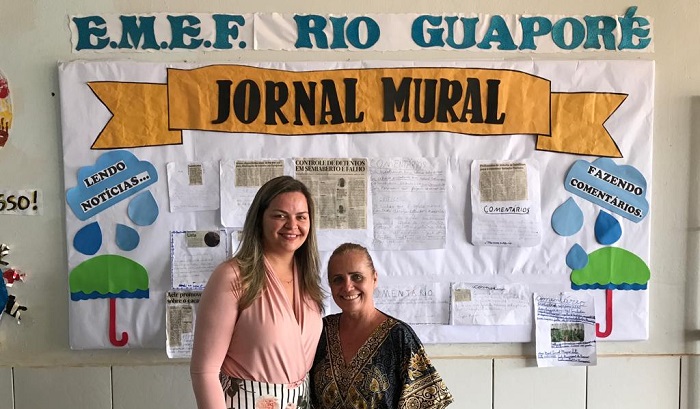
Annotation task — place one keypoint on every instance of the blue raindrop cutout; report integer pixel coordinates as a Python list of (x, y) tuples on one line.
[(88, 239), (607, 229), (127, 238), (567, 219), (576, 258), (143, 209)]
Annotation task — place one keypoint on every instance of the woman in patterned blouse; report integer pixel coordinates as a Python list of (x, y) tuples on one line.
[(365, 358)]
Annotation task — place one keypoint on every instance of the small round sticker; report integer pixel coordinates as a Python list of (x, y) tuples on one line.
[(212, 239)]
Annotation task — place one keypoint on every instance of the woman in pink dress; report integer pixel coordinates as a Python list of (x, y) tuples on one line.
[(259, 319)]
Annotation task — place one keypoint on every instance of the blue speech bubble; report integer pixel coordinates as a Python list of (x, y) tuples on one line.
[(620, 189), (115, 176)]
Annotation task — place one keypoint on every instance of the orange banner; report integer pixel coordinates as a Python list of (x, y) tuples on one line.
[(233, 98)]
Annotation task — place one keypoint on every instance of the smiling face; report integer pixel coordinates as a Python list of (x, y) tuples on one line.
[(285, 223), (352, 281)]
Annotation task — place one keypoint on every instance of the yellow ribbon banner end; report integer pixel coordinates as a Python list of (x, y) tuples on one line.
[(577, 124), (139, 115)]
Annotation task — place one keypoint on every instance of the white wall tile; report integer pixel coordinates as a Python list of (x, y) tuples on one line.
[(690, 382), (63, 388), (616, 382), (469, 381), (634, 383), (519, 383), (148, 387), (6, 396)]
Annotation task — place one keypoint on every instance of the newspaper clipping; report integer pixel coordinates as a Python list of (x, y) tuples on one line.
[(506, 203), (240, 180), (339, 189), (179, 322), (254, 173)]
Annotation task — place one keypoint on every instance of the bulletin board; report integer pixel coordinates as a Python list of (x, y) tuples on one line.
[(474, 184)]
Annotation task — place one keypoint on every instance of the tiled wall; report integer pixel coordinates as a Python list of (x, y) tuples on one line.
[(635, 382)]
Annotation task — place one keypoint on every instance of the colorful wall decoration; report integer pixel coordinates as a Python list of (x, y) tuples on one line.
[(463, 179), (5, 110)]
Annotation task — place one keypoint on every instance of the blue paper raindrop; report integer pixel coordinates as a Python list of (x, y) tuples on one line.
[(143, 209), (576, 258), (88, 240), (127, 238), (607, 229), (567, 219)]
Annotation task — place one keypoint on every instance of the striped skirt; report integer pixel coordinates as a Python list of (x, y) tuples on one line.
[(245, 394)]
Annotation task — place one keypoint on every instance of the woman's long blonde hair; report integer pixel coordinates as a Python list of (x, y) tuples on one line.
[(250, 255)]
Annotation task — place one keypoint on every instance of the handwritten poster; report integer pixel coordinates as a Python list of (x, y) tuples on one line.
[(565, 329)]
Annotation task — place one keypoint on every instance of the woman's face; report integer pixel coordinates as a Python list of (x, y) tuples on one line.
[(285, 223), (352, 282)]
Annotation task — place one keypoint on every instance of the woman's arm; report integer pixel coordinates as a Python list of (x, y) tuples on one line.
[(215, 320)]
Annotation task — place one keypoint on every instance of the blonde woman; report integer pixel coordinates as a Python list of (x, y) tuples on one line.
[(259, 318)]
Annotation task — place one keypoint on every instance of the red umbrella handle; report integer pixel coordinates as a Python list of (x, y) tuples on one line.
[(608, 317), (113, 326)]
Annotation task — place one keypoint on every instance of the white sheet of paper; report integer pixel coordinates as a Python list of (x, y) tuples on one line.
[(414, 303), (490, 304), (408, 203), (505, 203), (180, 313), (240, 181), (194, 255), (193, 186), (565, 329)]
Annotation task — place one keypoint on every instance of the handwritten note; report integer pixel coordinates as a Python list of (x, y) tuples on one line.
[(414, 303), (408, 203), (194, 255), (565, 329), (490, 304)]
